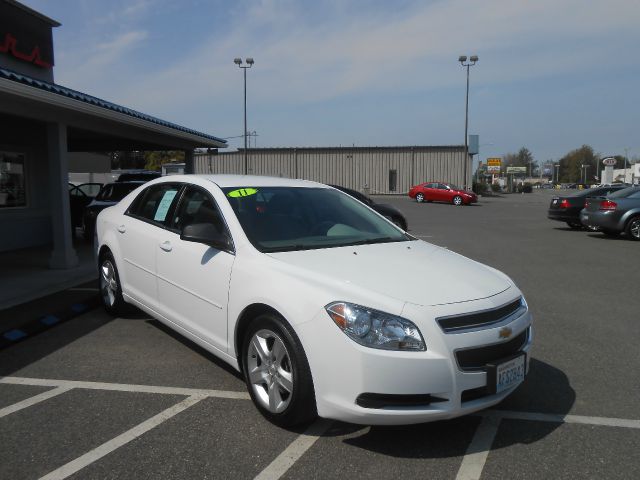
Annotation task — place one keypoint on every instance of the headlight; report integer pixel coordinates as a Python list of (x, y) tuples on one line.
[(376, 329)]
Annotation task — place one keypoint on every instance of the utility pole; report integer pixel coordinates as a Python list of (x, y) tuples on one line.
[(249, 63), (463, 61)]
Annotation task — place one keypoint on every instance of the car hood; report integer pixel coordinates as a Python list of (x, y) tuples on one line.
[(416, 272)]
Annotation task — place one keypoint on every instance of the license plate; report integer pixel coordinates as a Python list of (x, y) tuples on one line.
[(507, 374)]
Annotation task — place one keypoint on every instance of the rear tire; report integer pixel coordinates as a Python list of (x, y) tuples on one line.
[(277, 372), (633, 228), (420, 198), (110, 288)]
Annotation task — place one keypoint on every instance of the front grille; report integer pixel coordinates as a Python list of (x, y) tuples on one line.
[(480, 319), (382, 400), (477, 358)]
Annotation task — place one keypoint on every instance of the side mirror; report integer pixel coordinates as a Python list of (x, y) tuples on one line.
[(207, 234)]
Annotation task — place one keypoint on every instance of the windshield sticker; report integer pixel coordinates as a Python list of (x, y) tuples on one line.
[(242, 192), (163, 206)]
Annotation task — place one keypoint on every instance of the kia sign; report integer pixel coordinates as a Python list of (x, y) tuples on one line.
[(609, 161)]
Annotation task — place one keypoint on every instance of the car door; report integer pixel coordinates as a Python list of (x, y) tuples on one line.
[(430, 193), (140, 233), (193, 278), (445, 193)]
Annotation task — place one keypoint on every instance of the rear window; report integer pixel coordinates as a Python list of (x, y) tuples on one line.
[(625, 192)]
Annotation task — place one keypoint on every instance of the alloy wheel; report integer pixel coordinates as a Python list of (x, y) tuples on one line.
[(419, 198), (634, 228), (457, 200), (269, 370), (108, 283)]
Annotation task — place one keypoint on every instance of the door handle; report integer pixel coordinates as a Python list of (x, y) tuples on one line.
[(166, 246), (122, 229)]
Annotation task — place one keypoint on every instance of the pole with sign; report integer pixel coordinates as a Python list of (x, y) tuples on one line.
[(607, 175)]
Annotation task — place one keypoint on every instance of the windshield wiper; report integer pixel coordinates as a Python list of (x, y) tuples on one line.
[(371, 241)]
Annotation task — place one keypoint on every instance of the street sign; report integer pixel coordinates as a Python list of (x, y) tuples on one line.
[(609, 161), (493, 168), (516, 169)]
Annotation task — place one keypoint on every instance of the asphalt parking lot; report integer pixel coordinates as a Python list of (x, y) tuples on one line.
[(98, 397)]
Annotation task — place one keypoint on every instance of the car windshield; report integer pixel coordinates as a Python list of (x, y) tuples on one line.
[(280, 219), (114, 192), (624, 193)]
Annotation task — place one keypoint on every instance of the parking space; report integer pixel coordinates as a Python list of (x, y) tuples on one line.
[(98, 397)]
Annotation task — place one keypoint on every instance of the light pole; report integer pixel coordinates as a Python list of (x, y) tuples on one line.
[(626, 158), (556, 168), (248, 64), (463, 61)]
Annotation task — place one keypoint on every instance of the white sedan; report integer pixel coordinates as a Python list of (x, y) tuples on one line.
[(326, 307)]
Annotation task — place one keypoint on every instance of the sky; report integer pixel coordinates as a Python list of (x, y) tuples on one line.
[(552, 75)]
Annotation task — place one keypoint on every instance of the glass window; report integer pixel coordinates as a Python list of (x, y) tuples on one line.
[(197, 206), (278, 219), (114, 192), (624, 193), (154, 203), (13, 191)]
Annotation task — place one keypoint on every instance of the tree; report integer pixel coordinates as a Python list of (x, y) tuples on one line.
[(155, 160), (524, 158), (572, 165)]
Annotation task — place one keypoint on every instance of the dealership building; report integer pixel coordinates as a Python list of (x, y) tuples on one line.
[(375, 170), (42, 123)]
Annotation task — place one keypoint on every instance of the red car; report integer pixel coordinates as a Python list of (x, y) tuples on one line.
[(442, 192)]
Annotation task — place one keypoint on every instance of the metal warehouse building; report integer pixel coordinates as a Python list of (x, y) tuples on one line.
[(377, 170)]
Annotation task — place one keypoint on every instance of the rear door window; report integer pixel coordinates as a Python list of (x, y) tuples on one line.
[(155, 203)]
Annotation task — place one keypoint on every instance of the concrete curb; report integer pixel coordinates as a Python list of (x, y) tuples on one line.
[(47, 321)]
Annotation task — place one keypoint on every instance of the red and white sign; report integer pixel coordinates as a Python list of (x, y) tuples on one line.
[(609, 162)]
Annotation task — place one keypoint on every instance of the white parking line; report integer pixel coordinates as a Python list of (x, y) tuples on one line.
[(554, 418), (32, 401), (117, 442), (478, 450), (294, 451), (123, 387)]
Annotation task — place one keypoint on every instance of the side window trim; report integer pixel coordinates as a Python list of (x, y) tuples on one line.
[(180, 187), (205, 192)]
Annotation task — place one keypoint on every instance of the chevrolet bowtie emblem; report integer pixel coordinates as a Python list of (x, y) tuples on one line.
[(505, 332)]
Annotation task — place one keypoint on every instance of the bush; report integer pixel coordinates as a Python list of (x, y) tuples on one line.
[(479, 188), (495, 187), (524, 188)]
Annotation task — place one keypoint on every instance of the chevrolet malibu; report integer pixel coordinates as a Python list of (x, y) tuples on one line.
[(326, 307)]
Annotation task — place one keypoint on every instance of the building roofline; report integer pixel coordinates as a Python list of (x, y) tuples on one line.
[(33, 12), (18, 83), (342, 148)]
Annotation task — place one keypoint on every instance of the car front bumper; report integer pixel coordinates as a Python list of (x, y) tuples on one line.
[(344, 372)]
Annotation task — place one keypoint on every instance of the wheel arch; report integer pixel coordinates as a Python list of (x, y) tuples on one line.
[(247, 315)]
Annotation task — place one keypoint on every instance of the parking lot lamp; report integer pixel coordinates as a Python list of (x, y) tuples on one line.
[(463, 61), (248, 64), (556, 169)]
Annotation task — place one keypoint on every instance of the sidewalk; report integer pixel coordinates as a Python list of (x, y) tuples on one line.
[(34, 298), (25, 275)]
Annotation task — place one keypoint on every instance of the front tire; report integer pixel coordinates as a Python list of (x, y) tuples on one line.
[(277, 372), (110, 288), (633, 229), (457, 200)]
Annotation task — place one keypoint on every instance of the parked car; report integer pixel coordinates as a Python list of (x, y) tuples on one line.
[(143, 175), (79, 197), (442, 192), (316, 299), (567, 208), (110, 194), (388, 211), (619, 212)]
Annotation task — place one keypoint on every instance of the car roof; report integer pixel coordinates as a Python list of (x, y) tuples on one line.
[(226, 181)]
